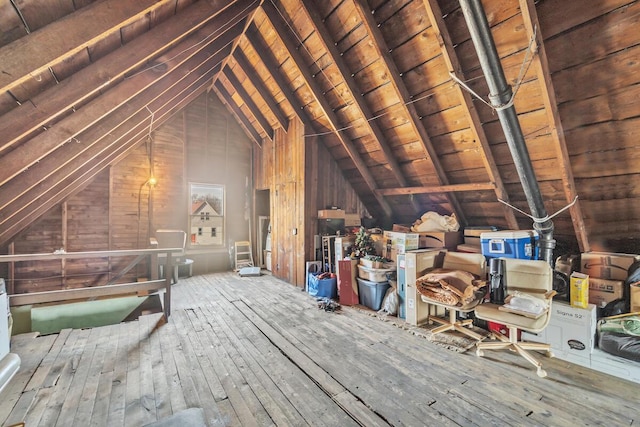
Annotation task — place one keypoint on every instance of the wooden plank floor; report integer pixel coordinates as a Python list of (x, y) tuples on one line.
[(257, 351)]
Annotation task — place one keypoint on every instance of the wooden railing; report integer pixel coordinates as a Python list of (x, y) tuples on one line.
[(104, 290)]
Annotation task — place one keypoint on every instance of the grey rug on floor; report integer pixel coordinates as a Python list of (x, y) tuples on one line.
[(451, 340), (192, 417)]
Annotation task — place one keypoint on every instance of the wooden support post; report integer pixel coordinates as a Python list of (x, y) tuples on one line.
[(168, 274), (63, 262)]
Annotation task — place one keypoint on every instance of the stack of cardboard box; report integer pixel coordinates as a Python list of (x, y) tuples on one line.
[(572, 329), (399, 242), (607, 273)]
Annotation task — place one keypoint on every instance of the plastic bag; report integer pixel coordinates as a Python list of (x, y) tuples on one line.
[(390, 303), (433, 221), (628, 323)]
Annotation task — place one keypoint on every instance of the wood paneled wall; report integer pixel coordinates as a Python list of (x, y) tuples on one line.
[(118, 210), (86, 228), (302, 177), (287, 204), (202, 143)]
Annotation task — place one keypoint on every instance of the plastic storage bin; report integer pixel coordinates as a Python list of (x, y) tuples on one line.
[(371, 294), (510, 244), (322, 287), (373, 274)]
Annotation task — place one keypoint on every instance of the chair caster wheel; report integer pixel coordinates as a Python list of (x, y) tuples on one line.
[(550, 354), (479, 353), (541, 373)]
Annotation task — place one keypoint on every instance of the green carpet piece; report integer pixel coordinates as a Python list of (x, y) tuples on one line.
[(87, 314)]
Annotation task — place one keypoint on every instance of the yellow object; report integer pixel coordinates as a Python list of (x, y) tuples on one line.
[(579, 290)]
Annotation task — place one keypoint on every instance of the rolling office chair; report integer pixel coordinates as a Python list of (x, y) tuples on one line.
[(469, 262), (525, 279)]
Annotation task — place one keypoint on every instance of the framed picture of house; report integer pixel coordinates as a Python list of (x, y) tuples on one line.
[(206, 214)]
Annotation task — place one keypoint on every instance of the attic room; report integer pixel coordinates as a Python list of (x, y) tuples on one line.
[(305, 212)]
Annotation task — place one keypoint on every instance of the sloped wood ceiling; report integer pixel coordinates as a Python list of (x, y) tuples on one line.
[(82, 83)]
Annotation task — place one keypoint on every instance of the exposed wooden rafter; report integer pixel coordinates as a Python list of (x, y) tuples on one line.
[(541, 66), (248, 101), (66, 157), (61, 99), (35, 149), (382, 50), (243, 62), (278, 23), (31, 56), (365, 112), (479, 186), (387, 132), (113, 139), (261, 48), (451, 59), (251, 10)]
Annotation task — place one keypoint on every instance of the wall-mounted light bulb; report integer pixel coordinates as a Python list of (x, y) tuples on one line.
[(152, 181)]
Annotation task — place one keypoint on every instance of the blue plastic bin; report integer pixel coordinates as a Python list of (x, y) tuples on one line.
[(327, 288), (371, 294)]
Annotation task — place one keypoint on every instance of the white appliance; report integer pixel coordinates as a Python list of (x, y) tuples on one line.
[(9, 362)]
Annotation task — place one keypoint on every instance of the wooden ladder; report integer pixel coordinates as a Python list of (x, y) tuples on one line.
[(243, 255)]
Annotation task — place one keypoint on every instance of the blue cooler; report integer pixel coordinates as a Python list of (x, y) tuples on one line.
[(521, 244)]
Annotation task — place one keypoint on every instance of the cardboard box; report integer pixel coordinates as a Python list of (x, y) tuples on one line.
[(471, 249), (401, 242), (606, 265), (571, 333), (341, 246), (416, 263), (401, 228), (391, 254), (378, 243), (614, 365), (439, 239), (635, 298), (331, 213), (579, 290), (472, 234), (352, 220), (603, 291)]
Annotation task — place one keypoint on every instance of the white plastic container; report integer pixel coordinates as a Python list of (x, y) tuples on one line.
[(373, 274)]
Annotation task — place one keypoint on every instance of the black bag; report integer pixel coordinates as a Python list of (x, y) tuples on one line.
[(620, 335)]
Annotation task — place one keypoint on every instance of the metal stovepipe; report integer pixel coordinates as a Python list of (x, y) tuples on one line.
[(500, 97)]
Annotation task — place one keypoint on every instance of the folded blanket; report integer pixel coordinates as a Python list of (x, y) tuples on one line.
[(451, 287)]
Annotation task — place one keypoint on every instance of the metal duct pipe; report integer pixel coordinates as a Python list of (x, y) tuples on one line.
[(500, 96)]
